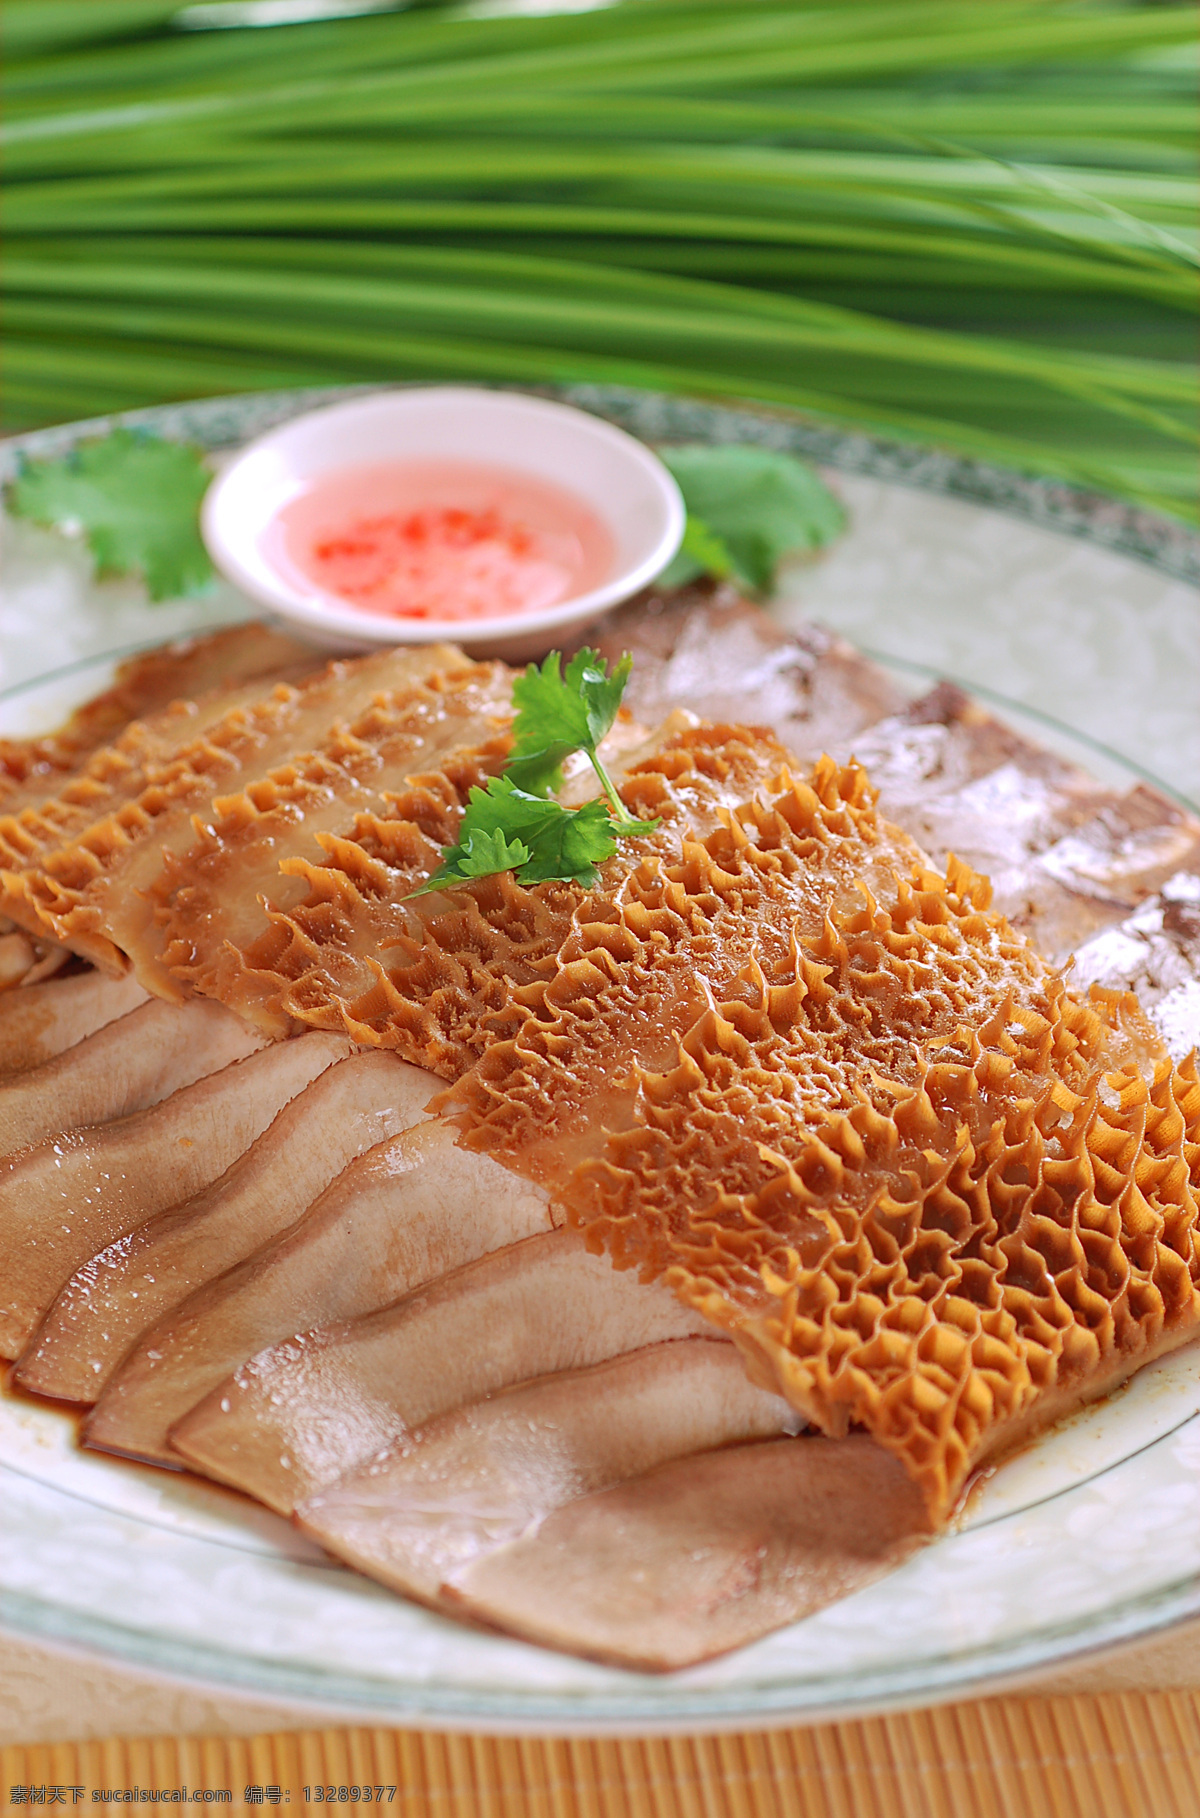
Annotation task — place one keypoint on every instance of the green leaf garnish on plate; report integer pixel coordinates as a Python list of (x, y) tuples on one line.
[(747, 509), (515, 824), (506, 829), (136, 498)]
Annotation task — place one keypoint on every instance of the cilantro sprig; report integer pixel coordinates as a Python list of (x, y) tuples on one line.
[(135, 497), (747, 508), (558, 715), (507, 829), (515, 824)]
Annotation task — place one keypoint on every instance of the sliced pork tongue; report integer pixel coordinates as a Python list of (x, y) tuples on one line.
[(107, 1305), (39, 1021), (72, 1196), (700, 1555), (1156, 952), (421, 1512), (401, 1215), (126, 1066), (1065, 855), (705, 649), (304, 1412)]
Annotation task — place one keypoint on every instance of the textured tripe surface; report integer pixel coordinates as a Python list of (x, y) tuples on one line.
[(772, 1060), (851, 1117), (151, 704), (79, 864), (206, 896), (147, 686), (439, 977)]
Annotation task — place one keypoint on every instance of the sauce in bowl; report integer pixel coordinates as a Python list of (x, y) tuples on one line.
[(442, 540)]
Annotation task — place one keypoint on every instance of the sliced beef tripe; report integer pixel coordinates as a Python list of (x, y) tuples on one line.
[(79, 866), (401, 1215), (51, 810), (74, 1195), (109, 1302), (306, 1411), (438, 736), (39, 1021), (700, 1555), (27, 959), (127, 1066), (475, 1479), (160, 690)]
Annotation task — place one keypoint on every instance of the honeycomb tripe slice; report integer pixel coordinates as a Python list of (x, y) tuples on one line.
[(927, 1190), (711, 911), (148, 686), (437, 976), (70, 865), (207, 896), (55, 802)]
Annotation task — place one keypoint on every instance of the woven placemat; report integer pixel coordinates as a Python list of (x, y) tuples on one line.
[(1117, 1755)]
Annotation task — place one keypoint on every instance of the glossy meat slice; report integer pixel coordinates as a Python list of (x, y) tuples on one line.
[(355, 1104), (477, 1478), (398, 1216), (708, 651), (27, 959), (701, 1555), (76, 865), (308, 1410), (39, 1021), (74, 1195), (126, 1066), (147, 686), (888, 1150), (1156, 953), (1065, 855), (448, 731), (439, 977)]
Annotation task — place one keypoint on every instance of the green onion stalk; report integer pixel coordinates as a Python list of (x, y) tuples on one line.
[(967, 226)]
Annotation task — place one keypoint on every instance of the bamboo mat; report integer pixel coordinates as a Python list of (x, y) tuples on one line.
[(1115, 1755)]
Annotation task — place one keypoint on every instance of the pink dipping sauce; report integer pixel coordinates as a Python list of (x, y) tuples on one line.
[(441, 540)]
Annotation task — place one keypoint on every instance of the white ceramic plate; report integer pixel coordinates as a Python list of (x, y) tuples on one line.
[(1091, 1537)]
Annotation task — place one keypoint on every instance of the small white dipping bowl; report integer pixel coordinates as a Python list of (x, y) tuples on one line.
[(626, 486)]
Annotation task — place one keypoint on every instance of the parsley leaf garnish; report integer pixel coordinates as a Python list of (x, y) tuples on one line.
[(560, 714), (514, 824), (747, 509), (506, 829), (136, 499), (702, 551)]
